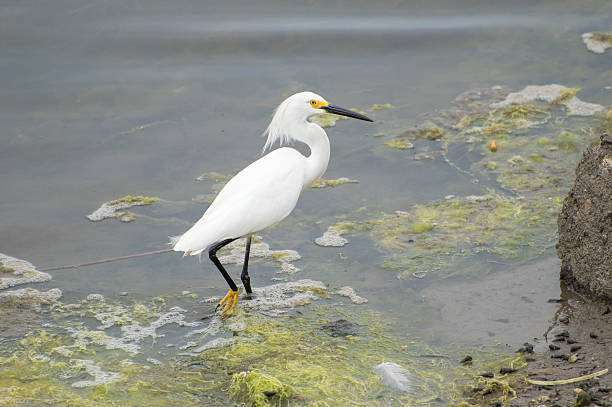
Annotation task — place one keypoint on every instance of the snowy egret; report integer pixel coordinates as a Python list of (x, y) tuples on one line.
[(266, 191)]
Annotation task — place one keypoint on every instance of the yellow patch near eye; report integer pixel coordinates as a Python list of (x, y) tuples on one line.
[(317, 104)]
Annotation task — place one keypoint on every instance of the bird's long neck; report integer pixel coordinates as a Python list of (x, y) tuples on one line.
[(316, 163)]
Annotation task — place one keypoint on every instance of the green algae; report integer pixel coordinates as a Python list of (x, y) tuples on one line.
[(565, 95), (353, 109), (6, 269), (127, 217), (516, 112), (280, 255), (469, 119), (295, 360), (47, 367), (538, 146), (110, 209), (421, 227), (568, 141), (537, 158), (604, 121), (543, 141), (479, 123), (382, 106), (602, 37), (211, 176), (282, 360), (497, 389), (495, 131), (326, 120), (258, 389), (501, 122), (29, 378), (134, 200), (89, 355), (433, 133), (332, 183), (345, 227), (399, 144), (464, 227), (427, 131)]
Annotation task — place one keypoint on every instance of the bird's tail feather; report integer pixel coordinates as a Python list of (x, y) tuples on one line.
[(174, 242)]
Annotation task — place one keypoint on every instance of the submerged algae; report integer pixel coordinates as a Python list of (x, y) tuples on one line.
[(428, 131), (53, 366), (399, 144), (259, 355), (538, 138), (134, 200), (421, 227), (34, 375), (568, 141), (433, 133), (326, 120), (5, 269), (464, 227), (324, 183), (258, 389), (381, 106), (604, 121), (294, 360), (211, 176)]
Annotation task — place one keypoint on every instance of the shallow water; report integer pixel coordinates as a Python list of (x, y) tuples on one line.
[(107, 99)]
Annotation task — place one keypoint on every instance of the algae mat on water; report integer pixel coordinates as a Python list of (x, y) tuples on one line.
[(296, 343), (521, 148)]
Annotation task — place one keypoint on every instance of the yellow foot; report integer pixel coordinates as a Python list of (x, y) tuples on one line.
[(230, 300)]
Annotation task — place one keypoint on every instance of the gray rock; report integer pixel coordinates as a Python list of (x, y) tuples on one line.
[(585, 225)]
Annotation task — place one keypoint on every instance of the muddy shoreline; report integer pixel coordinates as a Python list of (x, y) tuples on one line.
[(579, 343)]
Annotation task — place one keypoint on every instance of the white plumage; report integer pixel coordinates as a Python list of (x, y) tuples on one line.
[(266, 191), (259, 196)]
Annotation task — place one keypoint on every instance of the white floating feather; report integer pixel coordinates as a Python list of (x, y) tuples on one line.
[(394, 376)]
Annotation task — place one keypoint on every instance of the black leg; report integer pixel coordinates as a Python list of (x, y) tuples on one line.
[(212, 254), (246, 280)]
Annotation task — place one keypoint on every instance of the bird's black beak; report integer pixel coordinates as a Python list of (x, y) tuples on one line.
[(345, 112)]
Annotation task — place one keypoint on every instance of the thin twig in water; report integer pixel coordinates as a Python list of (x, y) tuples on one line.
[(434, 356), (91, 263)]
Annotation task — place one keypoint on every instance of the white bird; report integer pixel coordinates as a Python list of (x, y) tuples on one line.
[(266, 191)]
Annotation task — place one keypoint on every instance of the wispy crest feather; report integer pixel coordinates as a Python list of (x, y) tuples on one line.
[(290, 112), (276, 131)]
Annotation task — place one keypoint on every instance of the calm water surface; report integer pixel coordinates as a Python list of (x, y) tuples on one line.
[(78, 79)]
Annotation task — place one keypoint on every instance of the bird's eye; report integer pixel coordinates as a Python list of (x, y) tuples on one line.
[(313, 102)]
